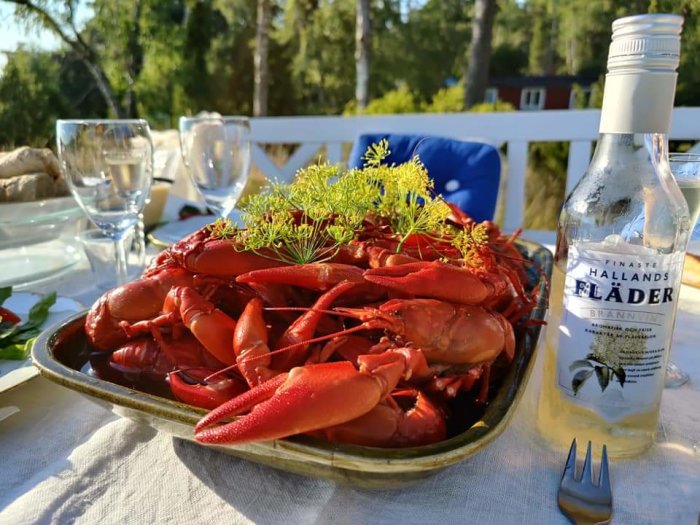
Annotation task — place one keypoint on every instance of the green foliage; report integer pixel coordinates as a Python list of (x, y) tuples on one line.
[(433, 43), (508, 61), (688, 88), (541, 56), (490, 107), (545, 184), (30, 99), (447, 100), (16, 340), (399, 100), (322, 42)]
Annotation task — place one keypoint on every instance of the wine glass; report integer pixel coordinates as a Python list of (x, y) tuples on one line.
[(108, 165), (216, 153), (685, 168)]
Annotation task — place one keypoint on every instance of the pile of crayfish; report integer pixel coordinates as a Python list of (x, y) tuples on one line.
[(371, 345), (367, 346)]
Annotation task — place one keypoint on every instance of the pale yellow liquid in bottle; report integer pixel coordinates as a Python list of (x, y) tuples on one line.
[(561, 420)]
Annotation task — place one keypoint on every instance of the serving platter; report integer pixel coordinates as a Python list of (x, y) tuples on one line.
[(61, 354)]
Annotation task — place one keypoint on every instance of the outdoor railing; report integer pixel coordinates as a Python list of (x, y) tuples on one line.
[(514, 130)]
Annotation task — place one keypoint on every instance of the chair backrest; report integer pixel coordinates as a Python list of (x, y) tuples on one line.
[(465, 173)]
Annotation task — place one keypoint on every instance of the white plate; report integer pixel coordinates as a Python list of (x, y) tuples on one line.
[(14, 373), (28, 265), (174, 231)]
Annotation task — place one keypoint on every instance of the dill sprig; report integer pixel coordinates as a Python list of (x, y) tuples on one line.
[(471, 242), (376, 153), (407, 198), (223, 228), (325, 206)]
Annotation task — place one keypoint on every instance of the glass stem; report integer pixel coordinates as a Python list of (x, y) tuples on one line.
[(120, 253)]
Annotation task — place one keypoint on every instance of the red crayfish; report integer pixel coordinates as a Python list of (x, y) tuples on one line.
[(364, 348)]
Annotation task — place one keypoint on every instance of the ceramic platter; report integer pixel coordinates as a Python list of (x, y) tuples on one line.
[(62, 356)]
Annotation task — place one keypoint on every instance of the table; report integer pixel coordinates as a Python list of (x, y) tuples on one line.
[(67, 460)]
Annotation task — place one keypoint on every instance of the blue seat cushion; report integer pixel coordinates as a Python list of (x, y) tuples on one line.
[(465, 173)]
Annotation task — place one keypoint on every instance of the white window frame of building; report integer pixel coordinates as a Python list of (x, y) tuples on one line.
[(587, 91), (491, 95), (532, 98)]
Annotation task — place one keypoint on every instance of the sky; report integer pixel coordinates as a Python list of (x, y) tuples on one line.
[(12, 33)]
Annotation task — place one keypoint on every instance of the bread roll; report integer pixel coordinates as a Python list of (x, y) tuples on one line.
[(26, 160), (30, 174), (25, 188)]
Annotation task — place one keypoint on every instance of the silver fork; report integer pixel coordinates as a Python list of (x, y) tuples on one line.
[(579, 499)]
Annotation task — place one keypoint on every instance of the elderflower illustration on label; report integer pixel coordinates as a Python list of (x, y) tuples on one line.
[(620, 306), (610, 351)]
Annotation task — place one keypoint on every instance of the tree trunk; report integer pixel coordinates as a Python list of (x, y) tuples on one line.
[(262, 44), (135, 61), (104, 87), (363, 46), (479, 52), (84, 52)]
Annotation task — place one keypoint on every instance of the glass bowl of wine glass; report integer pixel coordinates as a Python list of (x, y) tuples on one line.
[(216, 153)]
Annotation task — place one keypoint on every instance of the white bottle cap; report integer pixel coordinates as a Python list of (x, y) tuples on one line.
[(652, 42)]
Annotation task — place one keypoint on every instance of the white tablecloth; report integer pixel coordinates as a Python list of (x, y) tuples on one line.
[(66, 460)]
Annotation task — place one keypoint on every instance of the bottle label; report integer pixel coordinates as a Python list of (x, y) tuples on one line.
[(616, 328), (639, 102)]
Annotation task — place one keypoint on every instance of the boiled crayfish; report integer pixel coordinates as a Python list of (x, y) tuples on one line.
[(346, 325)]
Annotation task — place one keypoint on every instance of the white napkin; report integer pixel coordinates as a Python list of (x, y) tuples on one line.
[(67, 460)]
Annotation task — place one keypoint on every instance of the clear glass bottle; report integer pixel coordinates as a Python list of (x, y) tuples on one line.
[(619, 256)]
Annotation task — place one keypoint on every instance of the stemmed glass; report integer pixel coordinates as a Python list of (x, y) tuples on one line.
[(216, 153), (108, 165), (685, 168)]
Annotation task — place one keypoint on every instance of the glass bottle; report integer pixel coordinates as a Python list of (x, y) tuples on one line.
[(619, 255)]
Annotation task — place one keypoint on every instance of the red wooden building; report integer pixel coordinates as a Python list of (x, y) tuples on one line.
[(535, 93)]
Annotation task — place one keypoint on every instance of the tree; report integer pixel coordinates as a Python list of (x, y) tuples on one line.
[(65, 28), (322, 66), (425, 48), (30, 99), (512, 33), (363, 46), (542, 60), (262, 44), (134, 52), (479, 51)]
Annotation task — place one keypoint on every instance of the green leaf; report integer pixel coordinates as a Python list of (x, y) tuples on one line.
[(579, 379), (620, 373), (40, 311), (578, 364), (17, 351), (5, 293), (603, 375), (16, 342)]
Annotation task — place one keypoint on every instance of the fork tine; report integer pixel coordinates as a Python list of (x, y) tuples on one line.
[(604, 478), (570, 467), (587, 474)]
